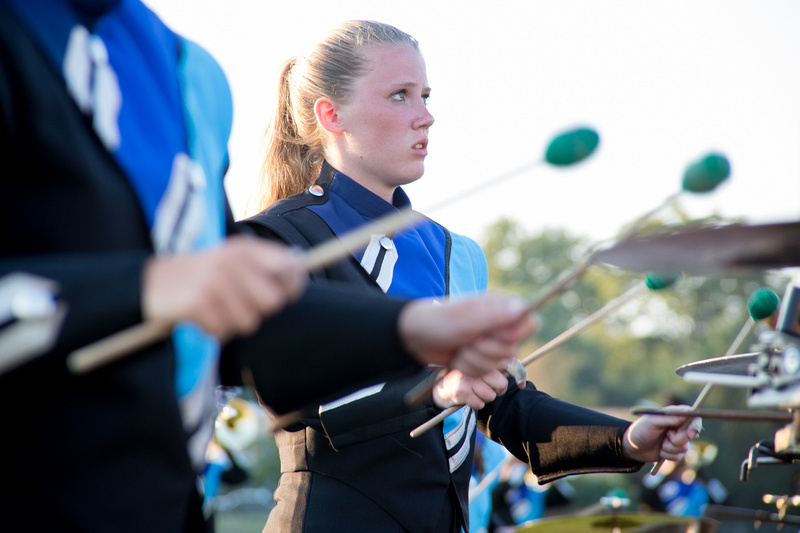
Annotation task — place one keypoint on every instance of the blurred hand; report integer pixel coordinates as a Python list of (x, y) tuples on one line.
[(475, 336), (226, 291), (654, 437), (457, 389)]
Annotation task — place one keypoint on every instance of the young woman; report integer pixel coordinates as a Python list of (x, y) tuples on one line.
[(350, 129)]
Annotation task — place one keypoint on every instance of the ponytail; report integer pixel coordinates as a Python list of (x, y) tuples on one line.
[(289, 163)]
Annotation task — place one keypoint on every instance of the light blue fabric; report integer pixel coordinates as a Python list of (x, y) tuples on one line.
[(469, 273), (208, 112), (480, 507)]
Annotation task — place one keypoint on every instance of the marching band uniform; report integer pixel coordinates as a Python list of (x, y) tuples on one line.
[(351, 465), (104, 114)]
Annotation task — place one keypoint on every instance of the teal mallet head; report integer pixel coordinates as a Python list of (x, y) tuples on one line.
[(706, 174), (660, 280), (762, 303), (571, 147)]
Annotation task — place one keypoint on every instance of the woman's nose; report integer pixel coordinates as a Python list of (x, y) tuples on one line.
[(425, 119)]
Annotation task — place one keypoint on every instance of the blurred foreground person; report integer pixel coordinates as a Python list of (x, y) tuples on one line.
[(113, 137), (349, 130)]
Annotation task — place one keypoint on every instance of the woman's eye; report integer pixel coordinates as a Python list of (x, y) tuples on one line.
[(425, 98), (399, 96)]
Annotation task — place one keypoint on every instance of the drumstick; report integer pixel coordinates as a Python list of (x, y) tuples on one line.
[(722, 414), (632, 293), (761, 305), (652, 281), (701, 176), (129, 340), (565, 149)]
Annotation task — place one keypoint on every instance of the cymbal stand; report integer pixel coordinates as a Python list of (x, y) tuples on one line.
[(762, 453)]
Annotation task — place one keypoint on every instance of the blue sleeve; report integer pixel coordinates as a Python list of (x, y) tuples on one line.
[(469, 273)]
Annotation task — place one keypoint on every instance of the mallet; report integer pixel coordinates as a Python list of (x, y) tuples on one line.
[(761, 305)]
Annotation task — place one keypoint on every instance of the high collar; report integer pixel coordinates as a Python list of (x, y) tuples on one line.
[(359, 197)]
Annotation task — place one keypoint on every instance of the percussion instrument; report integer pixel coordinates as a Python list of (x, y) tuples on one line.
[(622, 522), (709, 249), (738, 364)]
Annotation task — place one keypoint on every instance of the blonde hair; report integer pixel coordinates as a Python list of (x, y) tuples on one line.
[(293, 143)]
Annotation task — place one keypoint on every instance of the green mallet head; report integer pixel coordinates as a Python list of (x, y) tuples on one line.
[(704, 175), (571, 147), (656, 281), (762, 303)]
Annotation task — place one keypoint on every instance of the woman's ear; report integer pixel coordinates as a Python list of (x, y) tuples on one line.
[(328, 115)]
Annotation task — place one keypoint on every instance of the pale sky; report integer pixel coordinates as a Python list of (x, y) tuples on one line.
[(664, 82)]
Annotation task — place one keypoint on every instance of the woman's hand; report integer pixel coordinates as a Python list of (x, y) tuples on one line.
[(457, 389), (655, 437), (475, 336)]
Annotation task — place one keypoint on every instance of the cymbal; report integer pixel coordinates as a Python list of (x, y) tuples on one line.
[(622, 522), (707, 249), (738, 364)]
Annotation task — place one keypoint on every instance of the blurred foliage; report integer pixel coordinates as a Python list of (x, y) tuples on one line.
[(630, 357)]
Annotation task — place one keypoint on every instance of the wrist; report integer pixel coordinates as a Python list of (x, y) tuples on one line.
[(626, 449)]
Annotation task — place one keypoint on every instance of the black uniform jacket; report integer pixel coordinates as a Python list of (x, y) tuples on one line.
[(106, 451), (354, 467)]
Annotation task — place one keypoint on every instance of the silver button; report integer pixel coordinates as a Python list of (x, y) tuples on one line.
[(316, 190), (387, 243)]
